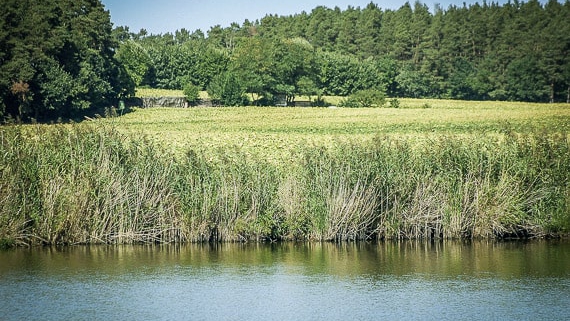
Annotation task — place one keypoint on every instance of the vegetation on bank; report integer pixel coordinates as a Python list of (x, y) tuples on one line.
[(109, 182)]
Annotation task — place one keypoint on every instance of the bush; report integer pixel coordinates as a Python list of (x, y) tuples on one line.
[(226, 89), (365, 98), (320, 102), (192, 92), (395, 103)]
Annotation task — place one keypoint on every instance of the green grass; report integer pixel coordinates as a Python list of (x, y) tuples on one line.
[(274, 131), (454, 170)]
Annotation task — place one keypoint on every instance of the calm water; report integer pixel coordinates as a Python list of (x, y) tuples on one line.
[(385, 281)]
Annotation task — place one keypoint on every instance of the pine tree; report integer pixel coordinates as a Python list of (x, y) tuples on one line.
[(368, 28)]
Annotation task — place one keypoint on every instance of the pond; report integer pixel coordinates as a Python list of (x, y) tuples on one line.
[(448, 280)]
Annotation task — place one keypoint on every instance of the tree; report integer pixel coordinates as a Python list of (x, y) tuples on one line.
[(307, 87), (347, 36), (368, 29), (21, 90), (64, 51), (293, 59), (135, 59), (252, 63), (478, 51), (555, 47), (462, 80), (525, 82), (321, 31), (419, 27), (403, 37), (338, 73), (192, 92), (387, 71), (413, 83), (434, 61)]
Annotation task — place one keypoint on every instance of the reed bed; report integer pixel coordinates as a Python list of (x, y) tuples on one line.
[(90, 183)]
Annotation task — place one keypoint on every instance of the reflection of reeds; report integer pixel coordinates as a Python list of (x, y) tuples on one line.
[(88, 184)]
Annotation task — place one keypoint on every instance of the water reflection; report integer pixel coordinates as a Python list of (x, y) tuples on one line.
[(444, 259), (289, 281)]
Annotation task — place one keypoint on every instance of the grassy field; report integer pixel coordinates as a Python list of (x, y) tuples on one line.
[(451, 170), (275, 131)]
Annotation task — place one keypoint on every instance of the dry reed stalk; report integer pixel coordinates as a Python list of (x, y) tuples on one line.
[(422, 219), (351, 211)]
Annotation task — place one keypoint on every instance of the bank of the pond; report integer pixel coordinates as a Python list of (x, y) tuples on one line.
[(69, 184)]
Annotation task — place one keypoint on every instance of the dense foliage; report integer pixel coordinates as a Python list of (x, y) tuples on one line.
[(61, 57), (57, 58), (516, 51)]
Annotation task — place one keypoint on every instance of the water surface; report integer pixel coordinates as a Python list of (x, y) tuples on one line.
[(290, 281)]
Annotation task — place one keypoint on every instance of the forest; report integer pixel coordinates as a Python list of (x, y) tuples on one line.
[(516, 52), (64, 57)]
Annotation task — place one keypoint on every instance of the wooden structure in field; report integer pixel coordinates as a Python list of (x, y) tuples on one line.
[(175, 102), (280, 100)]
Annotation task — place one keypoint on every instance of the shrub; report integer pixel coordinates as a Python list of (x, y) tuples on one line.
[(226, 89), (395, 103), (365, 98), (192, 92)]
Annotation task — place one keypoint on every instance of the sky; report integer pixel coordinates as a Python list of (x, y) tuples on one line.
[(159, 17)]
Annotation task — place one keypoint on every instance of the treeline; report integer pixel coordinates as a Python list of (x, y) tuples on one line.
[(516, 51), (63, 57)]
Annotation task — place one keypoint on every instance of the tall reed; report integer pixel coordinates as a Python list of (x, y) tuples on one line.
[(83, 184), (91, 184)]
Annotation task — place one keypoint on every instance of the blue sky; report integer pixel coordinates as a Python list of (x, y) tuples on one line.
[(171, 15)]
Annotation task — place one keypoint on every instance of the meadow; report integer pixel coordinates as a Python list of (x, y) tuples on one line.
[(275, 132), (431, 169)]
